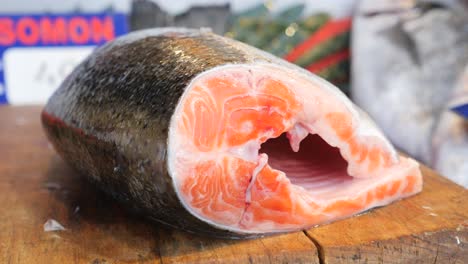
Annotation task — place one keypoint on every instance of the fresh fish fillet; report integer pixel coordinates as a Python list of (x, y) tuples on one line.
[(212, 136)]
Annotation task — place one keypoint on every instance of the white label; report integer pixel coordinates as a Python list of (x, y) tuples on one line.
[(33, 74)]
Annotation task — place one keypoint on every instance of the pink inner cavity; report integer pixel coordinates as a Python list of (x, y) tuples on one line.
[(316, 164)]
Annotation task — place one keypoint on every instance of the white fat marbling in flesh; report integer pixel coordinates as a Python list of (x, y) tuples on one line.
[(316, 179)]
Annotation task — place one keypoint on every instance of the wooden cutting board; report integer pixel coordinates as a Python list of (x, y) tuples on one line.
[(36, 185)]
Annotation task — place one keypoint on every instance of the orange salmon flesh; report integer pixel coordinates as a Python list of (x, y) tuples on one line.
[(258, 148)]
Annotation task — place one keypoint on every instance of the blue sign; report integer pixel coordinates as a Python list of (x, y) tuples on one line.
[(39, 50), (461, 109)]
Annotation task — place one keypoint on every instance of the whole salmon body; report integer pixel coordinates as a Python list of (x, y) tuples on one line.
[(212, 136)]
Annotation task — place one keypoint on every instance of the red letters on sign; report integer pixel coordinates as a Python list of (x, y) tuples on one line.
[(102, 29), (27, 31), (79, 30), (53, 31), (31, 31), (7, 36)]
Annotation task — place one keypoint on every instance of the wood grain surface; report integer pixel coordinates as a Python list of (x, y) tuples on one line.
[(36, 185)]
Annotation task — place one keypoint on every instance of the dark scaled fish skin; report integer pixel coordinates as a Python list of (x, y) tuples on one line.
[(109, 119)]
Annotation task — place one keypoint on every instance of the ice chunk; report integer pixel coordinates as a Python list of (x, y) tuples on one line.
[(52, 225)]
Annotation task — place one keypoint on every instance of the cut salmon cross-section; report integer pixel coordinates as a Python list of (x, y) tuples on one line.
[(256, 148)]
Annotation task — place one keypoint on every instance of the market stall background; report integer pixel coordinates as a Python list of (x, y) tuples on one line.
[(315, 37)]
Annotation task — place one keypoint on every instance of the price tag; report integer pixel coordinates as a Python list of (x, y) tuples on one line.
[(33, 74)]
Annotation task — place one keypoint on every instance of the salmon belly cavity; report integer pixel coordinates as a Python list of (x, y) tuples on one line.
[(258, 148)]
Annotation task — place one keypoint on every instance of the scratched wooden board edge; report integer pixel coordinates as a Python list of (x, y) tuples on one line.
[(180, 247), (444, 246)]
